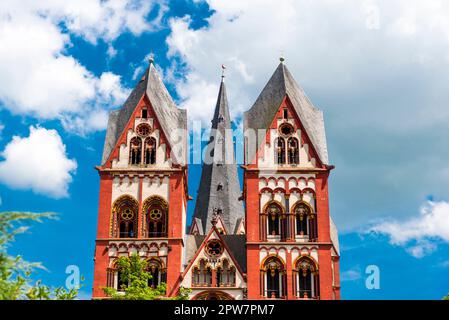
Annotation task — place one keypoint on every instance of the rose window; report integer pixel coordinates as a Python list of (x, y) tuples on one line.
[(143, 130), (127, 214), (155, 214), (214, 248)]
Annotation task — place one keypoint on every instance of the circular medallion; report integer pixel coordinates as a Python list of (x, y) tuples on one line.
[(214, 248), (155, 214), (286, 129), (127, 214), (143, 130)]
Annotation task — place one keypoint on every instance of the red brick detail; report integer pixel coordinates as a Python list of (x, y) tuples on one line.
[(290, 293), (322, 207), (253, 272), (141, 215), (252, 206), (104, 208), (101, 262), (174, 265), (325, 272), (176, 231)]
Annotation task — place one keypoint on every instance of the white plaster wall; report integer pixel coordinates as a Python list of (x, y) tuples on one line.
[(125, 186), (155, 186)]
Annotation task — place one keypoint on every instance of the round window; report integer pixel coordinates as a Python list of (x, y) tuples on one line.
[(214, 248), (155, 214), (286, 129), (143, 130), (127, 214)]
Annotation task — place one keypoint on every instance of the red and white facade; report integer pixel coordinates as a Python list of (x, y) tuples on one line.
[(291, 242)]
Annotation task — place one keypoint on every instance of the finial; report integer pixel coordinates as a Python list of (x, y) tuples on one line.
[(282, 59), (223, 68), (151, 59), (216, 213)]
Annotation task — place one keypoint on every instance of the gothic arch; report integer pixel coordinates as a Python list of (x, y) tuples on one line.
[(155, 217), (135, 151), (305, 220), (306, 278), (124, 217), (213, 295), (273, 277)]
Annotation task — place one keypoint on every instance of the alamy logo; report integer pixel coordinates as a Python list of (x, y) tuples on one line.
[(373, 280), (73, 279)]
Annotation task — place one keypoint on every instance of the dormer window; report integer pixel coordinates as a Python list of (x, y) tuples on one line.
[(219, 187)]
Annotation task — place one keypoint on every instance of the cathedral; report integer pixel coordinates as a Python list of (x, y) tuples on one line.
[(273, 239)]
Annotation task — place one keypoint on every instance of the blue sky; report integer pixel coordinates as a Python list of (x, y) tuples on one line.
[(378, 69)]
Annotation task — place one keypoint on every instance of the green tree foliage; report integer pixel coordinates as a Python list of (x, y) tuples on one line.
[(446, 297), (133, 270), (15, 272)]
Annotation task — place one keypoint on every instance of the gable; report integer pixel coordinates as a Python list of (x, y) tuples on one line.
[(173, 121), (261, 114), (265, 155), (119, 156), (201, 253)]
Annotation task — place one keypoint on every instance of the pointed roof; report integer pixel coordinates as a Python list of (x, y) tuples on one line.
[(219, 187), (263, 111), (170, 117)]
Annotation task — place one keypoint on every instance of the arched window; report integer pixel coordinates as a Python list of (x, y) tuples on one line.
[(273, 278), (226, 275), (135, 151), (305, 221), (116, 278), (156, 210), (293, 151), (306, 279), (125, 210), (274, 213), (150, 151), (158, 274), (280, 150), (202, 275)]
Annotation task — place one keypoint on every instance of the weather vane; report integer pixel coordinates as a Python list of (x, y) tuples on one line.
[(223, 68)]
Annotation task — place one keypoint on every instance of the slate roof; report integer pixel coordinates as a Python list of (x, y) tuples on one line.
[(170, 117), (262, 113), (220, 173)]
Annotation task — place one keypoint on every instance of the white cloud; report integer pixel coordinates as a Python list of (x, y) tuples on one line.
[(37, 76), (351, 275), (38, 162), (421, 234), (376, 68)]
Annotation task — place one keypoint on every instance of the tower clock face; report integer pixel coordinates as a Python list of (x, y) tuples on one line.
[(143, 130)]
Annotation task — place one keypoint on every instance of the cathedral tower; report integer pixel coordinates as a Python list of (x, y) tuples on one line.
[(219, 190), (143, 186), (292, 243)]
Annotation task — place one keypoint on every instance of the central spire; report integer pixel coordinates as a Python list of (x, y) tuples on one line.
[(219, 189)]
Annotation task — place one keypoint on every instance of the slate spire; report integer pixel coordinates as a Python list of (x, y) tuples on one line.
[(219, 189)]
